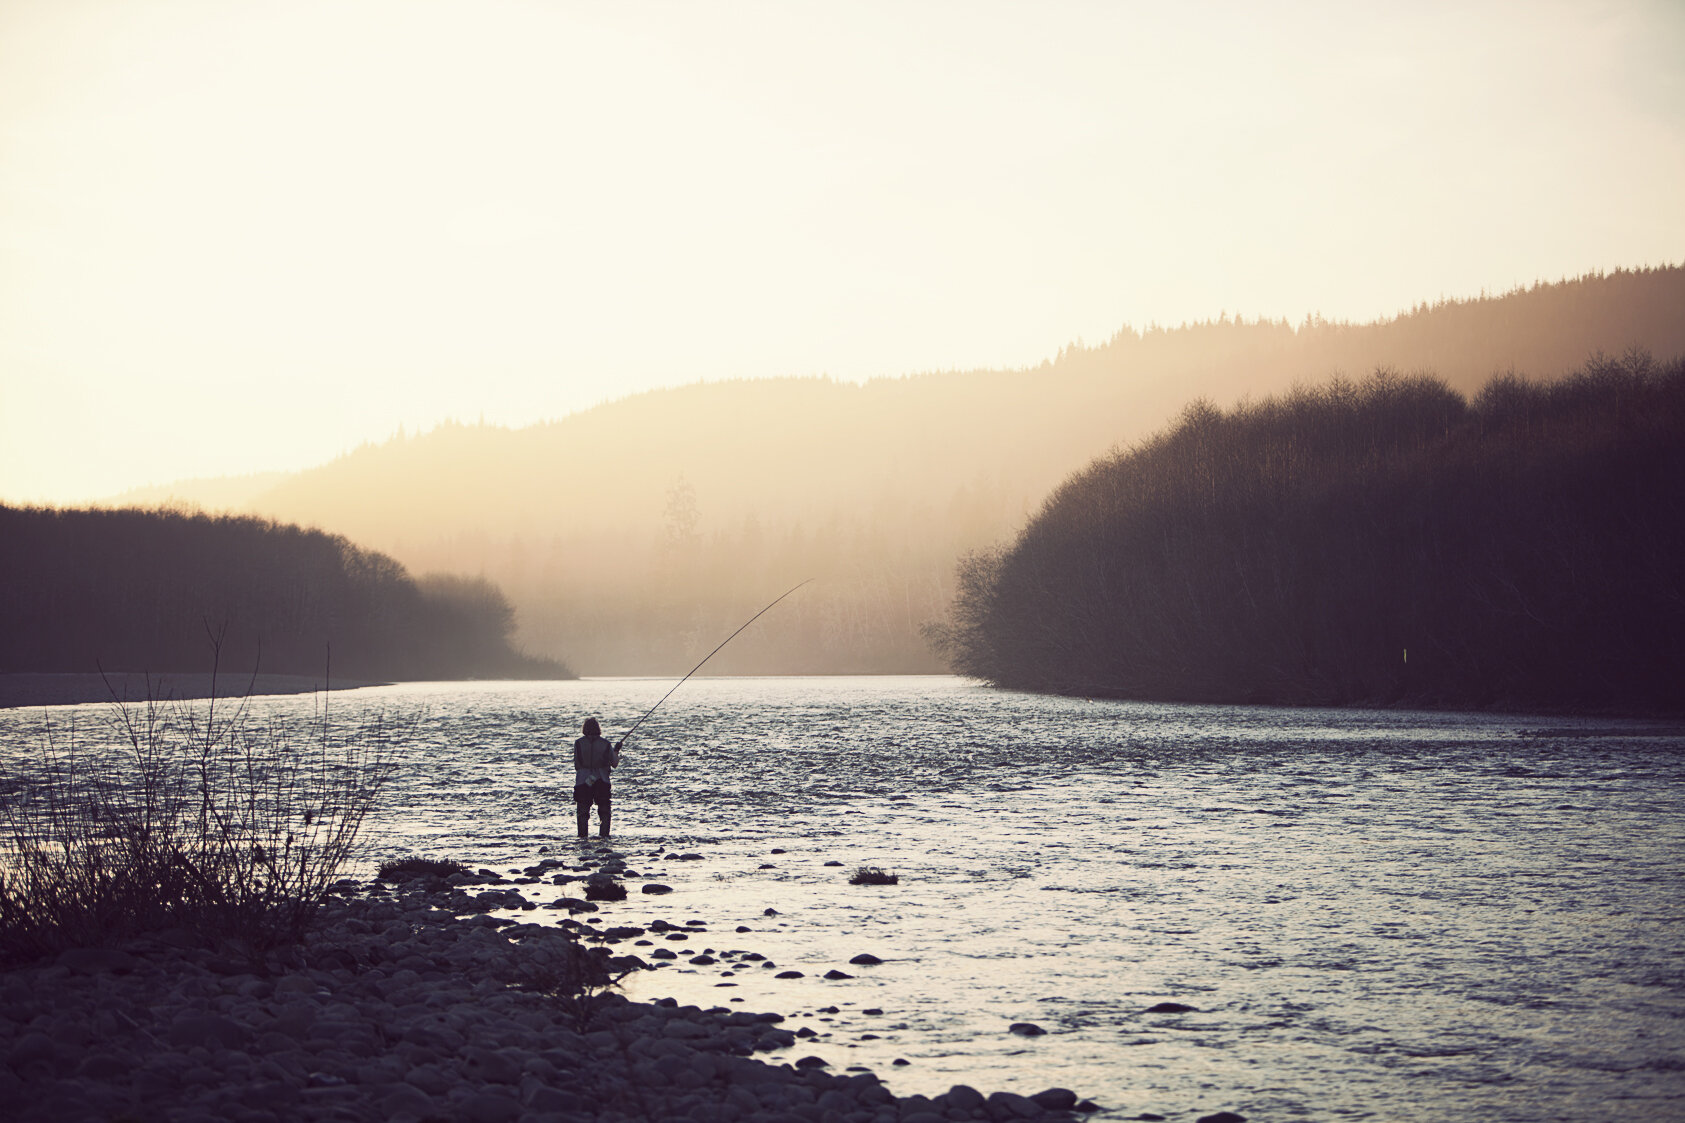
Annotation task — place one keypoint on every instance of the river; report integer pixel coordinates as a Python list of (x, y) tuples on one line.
[(1370, 914)]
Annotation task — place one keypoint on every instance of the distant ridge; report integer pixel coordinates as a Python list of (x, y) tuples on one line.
[(629, 535), (211, 493)]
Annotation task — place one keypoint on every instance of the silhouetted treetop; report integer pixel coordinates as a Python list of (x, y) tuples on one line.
[(132, 590), (1382, 541)]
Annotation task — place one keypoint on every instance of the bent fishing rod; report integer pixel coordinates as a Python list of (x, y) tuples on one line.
[(705, 658)]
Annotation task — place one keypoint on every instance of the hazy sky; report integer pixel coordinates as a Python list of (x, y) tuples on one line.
[(245, 236)]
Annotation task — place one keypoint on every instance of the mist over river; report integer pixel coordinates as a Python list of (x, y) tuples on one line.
[(1372, 914)]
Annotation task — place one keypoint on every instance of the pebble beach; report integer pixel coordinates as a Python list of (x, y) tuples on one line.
[(412, 1002)]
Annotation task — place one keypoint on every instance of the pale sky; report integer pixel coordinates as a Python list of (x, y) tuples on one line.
[(238, 237)]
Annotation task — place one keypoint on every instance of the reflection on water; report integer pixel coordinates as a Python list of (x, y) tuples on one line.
[(1371, 914)]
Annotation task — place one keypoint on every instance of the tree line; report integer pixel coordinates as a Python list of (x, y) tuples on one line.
[(1388, 541), (150, 590), (874, 489)]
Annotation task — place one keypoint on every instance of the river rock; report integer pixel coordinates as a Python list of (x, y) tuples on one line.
[(866, 959), (1055, 1099), (104, 1066), (789, 975), (488, 1067), (962, 1096), (30, 1050), (1222, 1117), (555, 1100), (430, 1078), (499, 899), (407, 1100), (1009, 1105), (1025, 1029), (833, 973), (489, 1107), (576, 905), (209, 1030), (91, 961), (655, 887)]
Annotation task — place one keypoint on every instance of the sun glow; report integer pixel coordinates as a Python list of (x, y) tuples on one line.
[(240, 236)]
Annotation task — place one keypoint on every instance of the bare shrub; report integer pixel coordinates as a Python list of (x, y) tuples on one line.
[(233, 829), (577, 977)]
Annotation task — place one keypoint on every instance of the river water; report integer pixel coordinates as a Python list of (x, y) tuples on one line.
[(1371, 914)]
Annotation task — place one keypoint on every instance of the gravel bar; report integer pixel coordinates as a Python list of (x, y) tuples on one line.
[(397, 1009)]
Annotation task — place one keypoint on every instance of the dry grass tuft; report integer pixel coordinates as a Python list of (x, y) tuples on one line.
[(871, 875), (404, 869)]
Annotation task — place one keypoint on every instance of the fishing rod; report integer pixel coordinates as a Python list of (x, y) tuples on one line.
[(705, 658)]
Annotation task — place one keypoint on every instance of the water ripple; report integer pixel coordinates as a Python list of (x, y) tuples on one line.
[(1372, 914)]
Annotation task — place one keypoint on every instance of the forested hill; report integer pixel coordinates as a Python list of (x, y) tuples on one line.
[(130, 590), (1382, 542), (633, 536)]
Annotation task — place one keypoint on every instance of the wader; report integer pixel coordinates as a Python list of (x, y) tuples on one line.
[(584, 795)]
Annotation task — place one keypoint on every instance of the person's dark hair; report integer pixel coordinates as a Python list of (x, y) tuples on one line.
[(592, 729)]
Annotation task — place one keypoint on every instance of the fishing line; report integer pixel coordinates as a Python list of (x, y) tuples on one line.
[(705, 658)]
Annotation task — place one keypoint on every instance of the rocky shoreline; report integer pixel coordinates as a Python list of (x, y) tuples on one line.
[(398, 1008)]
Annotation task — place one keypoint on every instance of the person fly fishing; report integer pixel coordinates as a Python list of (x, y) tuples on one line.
[(594, 756)]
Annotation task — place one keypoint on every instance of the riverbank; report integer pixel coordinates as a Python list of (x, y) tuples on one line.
[(74, 689), (397, 1009)]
